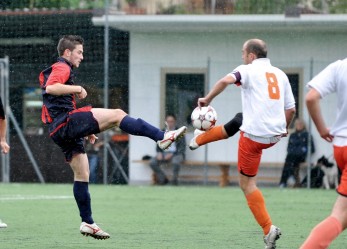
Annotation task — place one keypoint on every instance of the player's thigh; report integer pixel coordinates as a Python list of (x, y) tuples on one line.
[(248, 157), (108, 118), (340, 154)]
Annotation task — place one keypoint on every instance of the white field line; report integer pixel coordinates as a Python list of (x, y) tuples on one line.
[(34, 197)]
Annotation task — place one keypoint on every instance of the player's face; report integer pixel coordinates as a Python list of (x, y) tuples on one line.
[(76, 55), (245, 55)]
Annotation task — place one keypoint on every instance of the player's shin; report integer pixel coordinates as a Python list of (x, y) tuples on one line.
[(212, 135), (257, 205), (139, 127), (82, 197)]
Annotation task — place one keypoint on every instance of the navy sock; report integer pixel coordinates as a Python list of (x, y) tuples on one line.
[(139, 127), (82, 197)]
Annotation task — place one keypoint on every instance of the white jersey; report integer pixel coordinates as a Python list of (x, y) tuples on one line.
[(266, 94), (333, 79)]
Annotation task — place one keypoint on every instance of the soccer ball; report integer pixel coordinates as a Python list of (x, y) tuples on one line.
[(204, 118)]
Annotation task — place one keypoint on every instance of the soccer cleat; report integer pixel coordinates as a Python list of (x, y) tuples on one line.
[(271, 237), (93, 230), (170, 137), (2, 225), (193, 144)]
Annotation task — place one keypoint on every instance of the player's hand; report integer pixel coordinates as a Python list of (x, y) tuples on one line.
[(5, 148), (82, 94), (203, 102), (325, 134), (92, 138)]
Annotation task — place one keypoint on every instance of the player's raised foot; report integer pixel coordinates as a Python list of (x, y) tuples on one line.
[(193, 145), (170, 137), (2, 224), (271, 237), (93, 230)]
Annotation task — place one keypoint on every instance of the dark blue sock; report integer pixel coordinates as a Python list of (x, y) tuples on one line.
[(139, 127), (82, 197)]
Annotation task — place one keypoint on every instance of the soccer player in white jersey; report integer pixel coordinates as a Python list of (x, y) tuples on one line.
[(268, 108), (333, 79)]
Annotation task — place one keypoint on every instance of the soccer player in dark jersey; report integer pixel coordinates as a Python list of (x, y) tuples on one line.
[(68, 125), (3, 143)]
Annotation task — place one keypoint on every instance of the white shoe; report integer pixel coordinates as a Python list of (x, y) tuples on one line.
[(2, 225), (271, 237), (170, 137), (193, 145), (93, 230)]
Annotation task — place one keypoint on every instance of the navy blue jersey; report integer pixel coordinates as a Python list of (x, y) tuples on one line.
[(2, 112), (56, 106)]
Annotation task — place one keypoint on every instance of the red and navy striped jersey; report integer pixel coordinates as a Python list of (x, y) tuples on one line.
[(55, 106)]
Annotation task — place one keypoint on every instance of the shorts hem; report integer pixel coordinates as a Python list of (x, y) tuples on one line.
[(242, 173), (344, 195)]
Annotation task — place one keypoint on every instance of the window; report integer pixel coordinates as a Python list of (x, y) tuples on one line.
[(295, 79), (32, 124), (182, 89)]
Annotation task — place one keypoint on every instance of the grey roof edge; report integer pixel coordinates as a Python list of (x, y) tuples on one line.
[(217, 23)]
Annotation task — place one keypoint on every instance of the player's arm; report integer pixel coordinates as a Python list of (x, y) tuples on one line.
[(312, 102), (56, 82), (62, 89), (3, 127), (289, 113), (3, 144), (217, 89)]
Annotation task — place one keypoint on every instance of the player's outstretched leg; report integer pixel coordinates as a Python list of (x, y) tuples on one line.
[(216, 133), (139, 127), (109, 118)]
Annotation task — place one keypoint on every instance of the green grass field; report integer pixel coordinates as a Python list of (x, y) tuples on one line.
[(46, 216)]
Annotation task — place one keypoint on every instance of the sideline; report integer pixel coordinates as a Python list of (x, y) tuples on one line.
[(34, 197)]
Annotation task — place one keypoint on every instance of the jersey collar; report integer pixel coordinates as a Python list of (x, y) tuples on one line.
[(61, 59), (261, 61)]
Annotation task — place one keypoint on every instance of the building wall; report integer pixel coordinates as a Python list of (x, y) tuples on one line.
[(151, 52)]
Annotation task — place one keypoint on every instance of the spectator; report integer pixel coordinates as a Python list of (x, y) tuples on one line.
[(93, 153), (174, 155), (296, 153)]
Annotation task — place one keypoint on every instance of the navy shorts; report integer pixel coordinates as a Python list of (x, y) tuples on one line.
[(68, 132)]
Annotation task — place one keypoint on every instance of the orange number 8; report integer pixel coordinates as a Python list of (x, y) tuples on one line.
[(274, 90)]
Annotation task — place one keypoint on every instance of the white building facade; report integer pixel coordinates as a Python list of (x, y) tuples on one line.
[(211, 46)]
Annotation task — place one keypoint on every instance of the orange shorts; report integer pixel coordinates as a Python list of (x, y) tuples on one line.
[(340, 154), (249, 155)]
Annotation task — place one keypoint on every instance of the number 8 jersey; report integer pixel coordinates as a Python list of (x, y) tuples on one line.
[(266, 94)]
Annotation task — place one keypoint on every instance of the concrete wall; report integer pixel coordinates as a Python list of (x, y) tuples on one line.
[(151, 52)]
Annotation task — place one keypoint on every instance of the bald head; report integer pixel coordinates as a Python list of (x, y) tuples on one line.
[(256, 47)]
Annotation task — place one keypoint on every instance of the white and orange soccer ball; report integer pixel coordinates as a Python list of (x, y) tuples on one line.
[(204, 118)]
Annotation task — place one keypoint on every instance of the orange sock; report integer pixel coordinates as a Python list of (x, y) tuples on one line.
[(323, 234), (256, 203), (215, 134)]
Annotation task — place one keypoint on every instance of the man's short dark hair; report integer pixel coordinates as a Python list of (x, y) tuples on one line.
[(257, 47), (69, 42)]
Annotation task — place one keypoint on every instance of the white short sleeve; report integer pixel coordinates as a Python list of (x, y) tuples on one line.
[(240, 75), (325, 82)]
